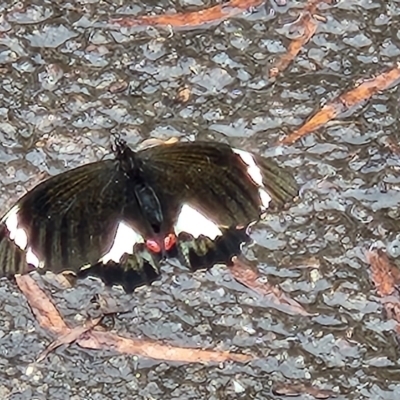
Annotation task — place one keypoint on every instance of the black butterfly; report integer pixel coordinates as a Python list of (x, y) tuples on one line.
[(118, 218)]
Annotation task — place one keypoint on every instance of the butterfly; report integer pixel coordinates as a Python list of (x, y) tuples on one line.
[(119, 218)]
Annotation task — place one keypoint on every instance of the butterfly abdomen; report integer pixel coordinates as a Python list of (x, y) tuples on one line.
[(149, 205)]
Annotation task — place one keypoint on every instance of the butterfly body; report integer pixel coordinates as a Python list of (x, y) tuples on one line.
[(118, 218)]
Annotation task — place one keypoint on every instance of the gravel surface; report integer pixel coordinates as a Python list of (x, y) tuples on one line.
[(69, 78)]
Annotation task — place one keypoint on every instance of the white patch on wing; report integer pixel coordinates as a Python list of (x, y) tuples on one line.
[(265, 198), (32, 259), (124, 240), (19, 236), (255, 174), (195, 223), (252, 169)]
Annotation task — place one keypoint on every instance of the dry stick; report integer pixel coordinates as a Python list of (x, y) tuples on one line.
[(190, 19), (309, 25), (298, 389), (49, 318), (385, 277), (44, 310), (249, 277), (344, 102), (156, 350), (381, 273), (69, 337)]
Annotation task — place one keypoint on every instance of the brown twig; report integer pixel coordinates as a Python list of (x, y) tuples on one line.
[(156, 350), (386, 277), (298, 389), (70, 336), (307, 24), (250, 278), (192, 19), (344, 102), (88, 337), (44, 310)]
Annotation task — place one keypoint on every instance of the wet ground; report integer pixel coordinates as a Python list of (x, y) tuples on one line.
[(68, 79)]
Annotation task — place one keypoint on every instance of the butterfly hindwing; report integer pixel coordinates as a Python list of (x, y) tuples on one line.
[(133, 270), (202, 253)]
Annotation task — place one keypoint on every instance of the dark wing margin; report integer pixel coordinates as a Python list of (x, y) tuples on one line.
[(134, 270), (12, 258), (203, 253), (278, 182)]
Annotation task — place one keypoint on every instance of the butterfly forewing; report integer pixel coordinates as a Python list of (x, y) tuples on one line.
[(204, 177), (216, 179), (70, 220)]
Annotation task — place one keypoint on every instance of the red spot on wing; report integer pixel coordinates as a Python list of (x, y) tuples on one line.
[(156, 245), (169, 241), (153, 246)]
